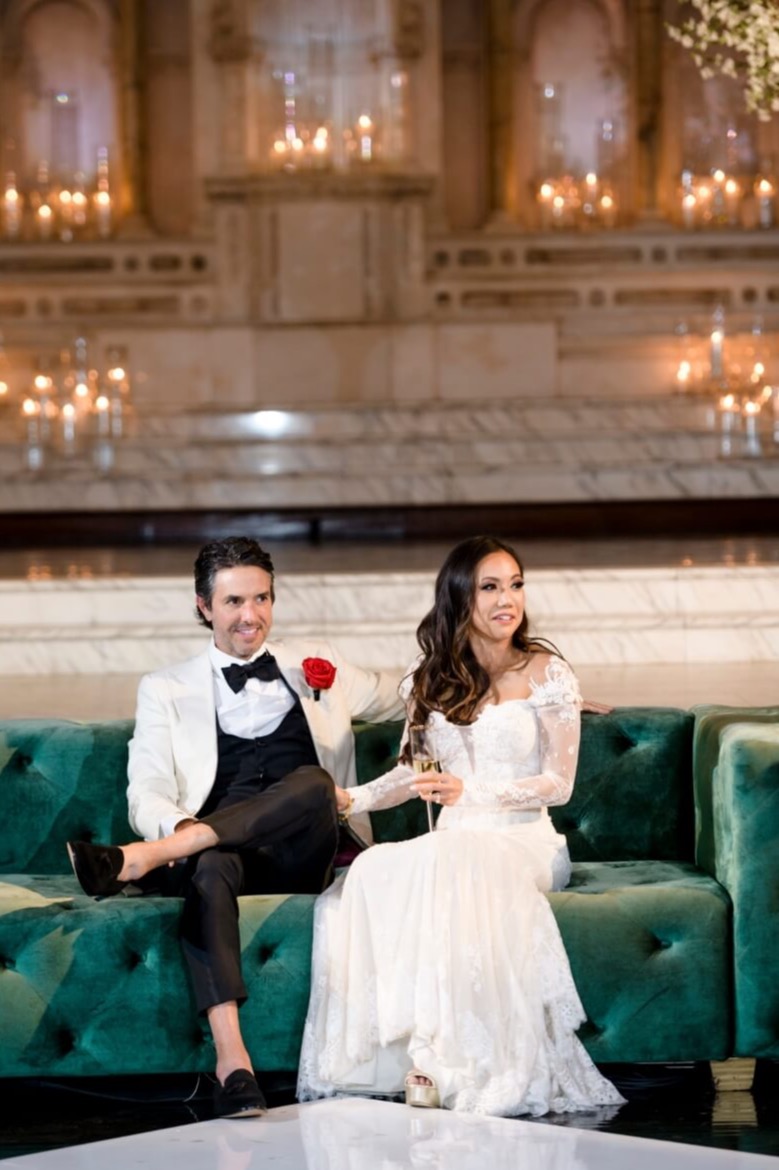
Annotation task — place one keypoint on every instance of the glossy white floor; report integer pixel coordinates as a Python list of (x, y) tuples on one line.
[(370, 1135)]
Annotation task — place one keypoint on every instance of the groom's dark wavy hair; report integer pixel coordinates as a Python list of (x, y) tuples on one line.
[(449, 678), (230, 553)]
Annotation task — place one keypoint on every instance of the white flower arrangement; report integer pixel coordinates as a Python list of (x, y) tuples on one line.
[(740, 39)]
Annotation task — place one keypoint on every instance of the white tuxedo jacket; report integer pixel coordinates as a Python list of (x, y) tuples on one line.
[(173, 753)]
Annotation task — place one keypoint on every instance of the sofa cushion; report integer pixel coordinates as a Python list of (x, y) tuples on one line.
[(649, 947), (633, 796), (60, 781), (101, 987)]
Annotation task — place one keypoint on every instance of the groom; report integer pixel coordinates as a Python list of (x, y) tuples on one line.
[(245, 725)]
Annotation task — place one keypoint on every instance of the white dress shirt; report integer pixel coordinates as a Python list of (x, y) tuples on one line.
[(256, 710)]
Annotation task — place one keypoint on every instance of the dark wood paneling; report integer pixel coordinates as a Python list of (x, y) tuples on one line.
[(729, 517)]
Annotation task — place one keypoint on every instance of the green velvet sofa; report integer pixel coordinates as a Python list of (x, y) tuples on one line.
[(671, 920)]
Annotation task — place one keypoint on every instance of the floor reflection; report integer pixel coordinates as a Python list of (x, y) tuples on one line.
[(681, 1122)]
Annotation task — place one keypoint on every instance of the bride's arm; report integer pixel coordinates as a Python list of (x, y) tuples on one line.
[(385, 791), (558, 704)]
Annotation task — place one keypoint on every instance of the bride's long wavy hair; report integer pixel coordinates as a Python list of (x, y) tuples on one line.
[(449, 678)]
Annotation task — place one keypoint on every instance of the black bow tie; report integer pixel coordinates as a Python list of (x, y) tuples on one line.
[(265, 668)]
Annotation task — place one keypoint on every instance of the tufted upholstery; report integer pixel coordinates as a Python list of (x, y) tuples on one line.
[(85, 984), (737, 789)]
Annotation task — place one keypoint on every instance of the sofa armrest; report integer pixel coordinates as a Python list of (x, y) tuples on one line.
[(737, 802)]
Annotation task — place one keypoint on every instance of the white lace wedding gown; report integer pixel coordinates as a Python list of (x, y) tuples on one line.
[(442, 952)]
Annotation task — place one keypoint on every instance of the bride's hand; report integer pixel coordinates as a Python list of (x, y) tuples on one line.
[(438, 787)]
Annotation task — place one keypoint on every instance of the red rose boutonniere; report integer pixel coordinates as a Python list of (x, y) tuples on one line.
[(319, 674)]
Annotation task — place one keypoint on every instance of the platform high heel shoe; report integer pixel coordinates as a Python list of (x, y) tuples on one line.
[(422, 1096)]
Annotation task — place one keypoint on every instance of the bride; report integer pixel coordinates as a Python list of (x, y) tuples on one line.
[(438, 967)]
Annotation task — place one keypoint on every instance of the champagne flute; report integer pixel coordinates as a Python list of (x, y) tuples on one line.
[(423, 760)]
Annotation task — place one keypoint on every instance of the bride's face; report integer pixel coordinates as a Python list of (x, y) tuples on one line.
[(499, 601)]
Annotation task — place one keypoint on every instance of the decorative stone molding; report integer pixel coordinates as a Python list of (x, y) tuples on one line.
[(408, 28), (231, 40), (314, 186)]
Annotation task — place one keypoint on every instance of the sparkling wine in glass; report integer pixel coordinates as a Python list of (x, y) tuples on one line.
[(423, 760)]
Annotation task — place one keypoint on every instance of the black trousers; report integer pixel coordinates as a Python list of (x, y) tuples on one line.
[(280, 841)]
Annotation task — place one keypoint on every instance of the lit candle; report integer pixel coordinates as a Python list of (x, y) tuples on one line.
[(758, 370), (703, 195), (68, 416), (80, 207), (66, 214), (717, 337), (3, 389), (31, 412), (12, 207), (44, 217), (689, 205), (545, 197), (764, 190), (683, 375), (558, 210), (103, 417), (365, 137), (718, 196), (608, 209), (732, 194), (589, 201), (103, 213), (728, 411), (751, 419), (320, 146)]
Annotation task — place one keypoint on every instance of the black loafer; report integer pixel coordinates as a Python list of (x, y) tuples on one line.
[(239, 1096), (97, 868)]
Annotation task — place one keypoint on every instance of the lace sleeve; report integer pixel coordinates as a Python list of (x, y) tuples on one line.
[(394, 787), (557, 704), (386, 791)]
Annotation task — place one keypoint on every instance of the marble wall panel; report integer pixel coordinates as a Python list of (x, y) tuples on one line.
[(496, 361), (630, 616), (321, 269)]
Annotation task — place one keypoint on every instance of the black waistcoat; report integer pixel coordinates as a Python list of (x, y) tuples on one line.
[(247, 766)]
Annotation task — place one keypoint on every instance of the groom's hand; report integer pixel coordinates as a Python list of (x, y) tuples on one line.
[(343, 800)]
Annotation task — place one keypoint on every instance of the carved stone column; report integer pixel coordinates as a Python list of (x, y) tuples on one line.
[(239, 52), (500, 48), (648, 33), (132, 193)]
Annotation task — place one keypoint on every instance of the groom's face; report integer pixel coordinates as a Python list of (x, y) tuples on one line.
[(241, 610)]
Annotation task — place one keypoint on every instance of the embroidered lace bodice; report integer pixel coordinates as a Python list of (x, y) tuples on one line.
[(519, 754)]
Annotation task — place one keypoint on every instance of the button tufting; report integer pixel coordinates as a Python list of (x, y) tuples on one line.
[(66, 1041), (266, 953)]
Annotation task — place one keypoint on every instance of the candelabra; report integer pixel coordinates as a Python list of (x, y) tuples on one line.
[(59, 210), (731, 372), (721, 199), (570, 203), (69, 408)]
